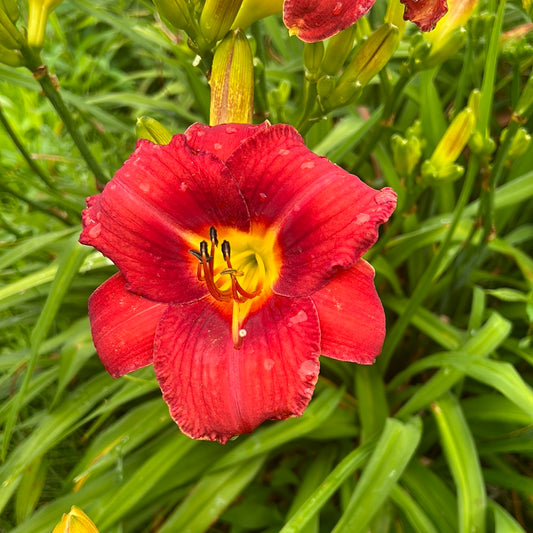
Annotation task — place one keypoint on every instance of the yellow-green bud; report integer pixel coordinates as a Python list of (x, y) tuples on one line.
[(152, 130), (337, 50), (176, 12), (312, 57), (481, 145), (440, 54), (12, 58), (38, 11), (217, 17), (454, 139), (525, 102), (10, 37), (406, 154), (369, 59), (76, 521), (436, 175), (11, 8), (324, 86), (253, 10), (232, 81), (394, 15), (519, 145)]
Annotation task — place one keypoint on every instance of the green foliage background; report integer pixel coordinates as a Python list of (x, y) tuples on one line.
[(436, 437)]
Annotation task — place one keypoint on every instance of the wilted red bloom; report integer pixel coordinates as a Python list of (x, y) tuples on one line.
[(239, 253), (315, 20)]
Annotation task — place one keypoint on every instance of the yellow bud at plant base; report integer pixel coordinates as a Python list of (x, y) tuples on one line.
[(76, 521), (454, 139), (232, 81), (369, 59), (152, 130), (176, 12), (217, 17), (254, 10), (38, 11)]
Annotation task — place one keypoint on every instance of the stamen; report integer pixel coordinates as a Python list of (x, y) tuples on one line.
[(208, 275), (236, 327)]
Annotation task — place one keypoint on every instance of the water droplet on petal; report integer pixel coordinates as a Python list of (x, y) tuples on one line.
[(262, 196), (145, 187), (300, 316), (307, 164), (183, 186), (361, 218), (231, 129), (284, 151), (242, 333), (217, 146), (95, 231), (268, 364), (337, 9)]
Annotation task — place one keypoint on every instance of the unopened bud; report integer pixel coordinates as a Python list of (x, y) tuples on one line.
[(10, 37), (11, 8), (406, 153), (254, 10), (152, 130), (217, 18), (324, 86), (440, 54), (394, 15), (454, 139), (459, 12), (433, 175), (312, 57), (337, 50), (519, 145), (525, 102), (232, 81), (38, 12), (176, 12), (481, 145), (76, 521)]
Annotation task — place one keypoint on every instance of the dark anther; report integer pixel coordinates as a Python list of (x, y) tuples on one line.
[(203, 248), (226, 250), (196, 254), (213, 235)]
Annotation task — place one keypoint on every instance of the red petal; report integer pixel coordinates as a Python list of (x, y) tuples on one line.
[(123, 326), (160, 204), (221, 140), (315, 20), (352, 321), (214, 391), (326, 218), (424, 13)]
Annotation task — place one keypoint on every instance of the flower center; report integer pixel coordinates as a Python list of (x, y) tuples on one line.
[(239, 274)]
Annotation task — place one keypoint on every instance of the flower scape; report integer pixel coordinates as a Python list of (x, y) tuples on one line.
[(239, 253)]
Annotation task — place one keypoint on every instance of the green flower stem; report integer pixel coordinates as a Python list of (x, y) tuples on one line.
[(40, 73), (309, 101), (25, 154), (424, 285)]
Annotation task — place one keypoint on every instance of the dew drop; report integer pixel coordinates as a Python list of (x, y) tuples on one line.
[(307, 164), (183, 186), (242, 333), (337, 9), (217, 146), (269, 364), (284, 151), (300, 316), (361, 218), (200, 133), (262, 196), (231, 129), (145, 187), (95, 231)]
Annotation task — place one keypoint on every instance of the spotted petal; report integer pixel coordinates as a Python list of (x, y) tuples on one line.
[(326, 218), (424, 13), (215, 391), (160, 204), (123, 326), (352, 321), (315, 20)]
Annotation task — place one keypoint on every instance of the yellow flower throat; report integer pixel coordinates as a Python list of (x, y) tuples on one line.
[(242, 274)]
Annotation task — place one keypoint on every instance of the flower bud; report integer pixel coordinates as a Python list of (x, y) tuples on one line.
[(394, 15), (369, 59), (38, 11), (525, 102), (454, 139), (440, 54), (519, 145), (176, 12), (12, 58), (253, 10), (337, 50), (324, 86), (312, 57), (76, 521), (152, 130), (406, 153), (433, 175), (217, 17), (481, 144), (10, 37), (10, 7), (232, 81)]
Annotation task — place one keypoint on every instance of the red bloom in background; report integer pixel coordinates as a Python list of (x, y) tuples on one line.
[(315, 20), (239, 253)]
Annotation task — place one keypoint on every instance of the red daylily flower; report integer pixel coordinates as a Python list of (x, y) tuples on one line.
[(315, 20), (239, 253)]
